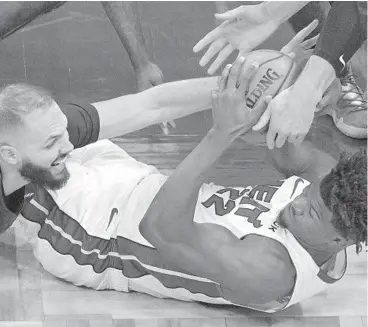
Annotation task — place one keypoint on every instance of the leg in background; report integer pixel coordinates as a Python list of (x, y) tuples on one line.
[(16, 14), (350, 113), (313, 10)]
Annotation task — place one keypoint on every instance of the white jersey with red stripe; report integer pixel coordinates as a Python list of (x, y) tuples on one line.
[(87, 233)]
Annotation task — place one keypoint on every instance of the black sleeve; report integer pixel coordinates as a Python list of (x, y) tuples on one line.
[(343, 33), (83, 121)]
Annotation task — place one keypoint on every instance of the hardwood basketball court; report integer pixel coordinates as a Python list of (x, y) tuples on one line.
[(49, 52)]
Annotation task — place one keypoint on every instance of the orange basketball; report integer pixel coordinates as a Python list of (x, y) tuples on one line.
[(276, 72)]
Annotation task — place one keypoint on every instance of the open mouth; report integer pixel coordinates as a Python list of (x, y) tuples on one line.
[(58, 162)]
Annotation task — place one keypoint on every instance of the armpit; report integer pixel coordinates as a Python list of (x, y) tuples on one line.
[(265, 274)]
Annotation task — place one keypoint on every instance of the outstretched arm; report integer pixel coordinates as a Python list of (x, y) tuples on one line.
[(164, 102), (208, 250), (244, 28)]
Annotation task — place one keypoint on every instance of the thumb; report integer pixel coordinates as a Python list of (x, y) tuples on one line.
[(238, 12), (324, 101), (262, 113), (214, 98), (321, 108), (321, 104)]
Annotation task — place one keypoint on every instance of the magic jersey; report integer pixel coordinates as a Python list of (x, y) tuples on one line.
[(87, 233)]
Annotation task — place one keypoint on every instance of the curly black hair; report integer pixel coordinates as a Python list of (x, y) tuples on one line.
[(344, 192)]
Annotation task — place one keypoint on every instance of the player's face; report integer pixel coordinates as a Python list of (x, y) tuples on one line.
[(46, 148), (308, 218)]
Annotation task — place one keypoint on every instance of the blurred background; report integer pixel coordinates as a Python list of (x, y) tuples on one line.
[(75, 49)]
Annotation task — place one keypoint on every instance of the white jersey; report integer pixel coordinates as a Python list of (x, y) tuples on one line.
[(87, 233)]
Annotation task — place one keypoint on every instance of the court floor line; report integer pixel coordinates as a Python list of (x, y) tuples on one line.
[(72, 15)]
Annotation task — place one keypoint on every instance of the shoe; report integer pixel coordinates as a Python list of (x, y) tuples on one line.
[(350, 112)]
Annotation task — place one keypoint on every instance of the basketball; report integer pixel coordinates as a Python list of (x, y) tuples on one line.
[(276, 72)]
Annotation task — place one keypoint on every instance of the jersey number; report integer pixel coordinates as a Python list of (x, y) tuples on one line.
[(251, 210)]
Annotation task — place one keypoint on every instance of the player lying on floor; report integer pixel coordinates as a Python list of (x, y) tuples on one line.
[(88, 231), (38, 131), (120, 224), (264, 247)]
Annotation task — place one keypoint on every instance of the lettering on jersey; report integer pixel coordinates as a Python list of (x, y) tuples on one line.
[(275, 225), (263, 85), (234, 194), (261, 191), (221, 209), (251, 213), (251, 209)]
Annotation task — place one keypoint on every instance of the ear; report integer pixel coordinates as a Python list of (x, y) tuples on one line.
[(300, 204), (299, 210), (341, 242), (9, 154)]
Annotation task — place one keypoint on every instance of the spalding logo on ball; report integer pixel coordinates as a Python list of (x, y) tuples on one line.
[(276, 72)]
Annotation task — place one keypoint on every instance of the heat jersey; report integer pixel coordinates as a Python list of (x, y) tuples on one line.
[(87, 233)]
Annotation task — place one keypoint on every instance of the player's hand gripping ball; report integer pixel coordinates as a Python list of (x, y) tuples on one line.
[(276, 72), (231, 115)]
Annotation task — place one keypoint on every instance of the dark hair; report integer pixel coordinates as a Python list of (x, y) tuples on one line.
[(344, 192), (19, 100)]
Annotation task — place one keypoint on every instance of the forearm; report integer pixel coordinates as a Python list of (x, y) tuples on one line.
[(164, 102), (14, 15), (169, 225), (174, 205), (281, 10), (124, 17), (305, 161), (181, 98), (291, 160), (316, 77), (343, 33)]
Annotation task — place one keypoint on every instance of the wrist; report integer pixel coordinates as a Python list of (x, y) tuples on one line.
[(281, 10), (141, 66), (316, 77), (221, 137)]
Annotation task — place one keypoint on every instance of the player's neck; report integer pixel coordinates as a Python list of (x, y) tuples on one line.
[(320, 253), (11, 181)]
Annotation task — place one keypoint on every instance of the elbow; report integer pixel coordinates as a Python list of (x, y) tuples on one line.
[(153, 231), (147, 229), (160, 230), (149, 232)]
